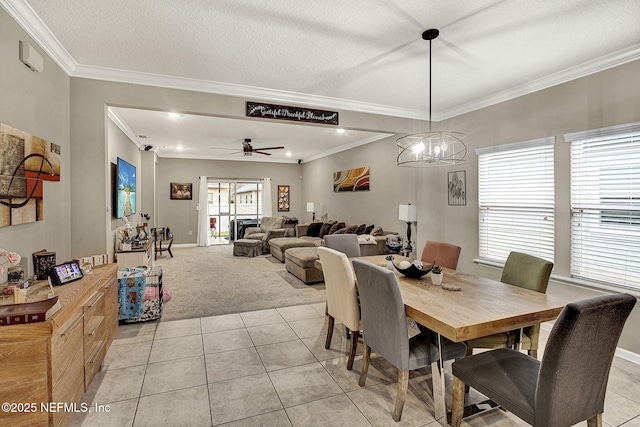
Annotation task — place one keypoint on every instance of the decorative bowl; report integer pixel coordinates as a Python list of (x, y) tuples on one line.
[(412, 272)]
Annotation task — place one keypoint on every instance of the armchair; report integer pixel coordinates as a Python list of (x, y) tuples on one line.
[(270, 228)]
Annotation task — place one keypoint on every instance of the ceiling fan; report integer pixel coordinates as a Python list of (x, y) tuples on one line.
[(247, 148)]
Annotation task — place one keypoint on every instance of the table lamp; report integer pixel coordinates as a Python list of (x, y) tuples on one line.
[(409, 214), (313, 207)]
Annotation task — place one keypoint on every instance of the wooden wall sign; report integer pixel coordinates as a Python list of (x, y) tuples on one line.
[(296, 114)]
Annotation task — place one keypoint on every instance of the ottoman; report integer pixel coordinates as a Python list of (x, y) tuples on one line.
[(247, 247), (279, 245), (301, 263)]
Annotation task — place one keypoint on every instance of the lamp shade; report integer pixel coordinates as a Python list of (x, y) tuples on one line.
[(408, 213), (313, 207)]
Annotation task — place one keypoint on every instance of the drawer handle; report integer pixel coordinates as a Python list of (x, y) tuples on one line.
[(71, 325)]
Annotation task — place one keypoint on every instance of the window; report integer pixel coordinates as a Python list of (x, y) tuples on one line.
[(516, 199), (605, 205)]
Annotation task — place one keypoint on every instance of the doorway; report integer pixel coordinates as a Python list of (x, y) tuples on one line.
[(232, 206)]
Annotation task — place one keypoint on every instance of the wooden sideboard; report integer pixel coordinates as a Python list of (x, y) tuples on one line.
[(56, 360)]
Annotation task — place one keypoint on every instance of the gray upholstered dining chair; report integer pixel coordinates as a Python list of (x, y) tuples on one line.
[(444, 254), (384, 324), (342, 297), (525, 271), (345, 243), (569, 384)]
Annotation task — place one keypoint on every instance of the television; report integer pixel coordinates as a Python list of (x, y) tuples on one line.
[(125, 189)]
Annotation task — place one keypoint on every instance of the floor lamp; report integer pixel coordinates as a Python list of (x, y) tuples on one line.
[(409, 214)]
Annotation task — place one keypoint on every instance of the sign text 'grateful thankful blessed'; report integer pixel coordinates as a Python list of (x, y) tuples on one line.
[(297, 114)]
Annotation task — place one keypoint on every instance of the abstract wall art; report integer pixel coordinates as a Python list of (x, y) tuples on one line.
[(457, 183), (351, 180), (26, 161)]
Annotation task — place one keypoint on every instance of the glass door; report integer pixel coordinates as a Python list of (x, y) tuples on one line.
[(232, 207)]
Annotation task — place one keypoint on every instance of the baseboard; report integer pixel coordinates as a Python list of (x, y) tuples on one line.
[(620, 352)]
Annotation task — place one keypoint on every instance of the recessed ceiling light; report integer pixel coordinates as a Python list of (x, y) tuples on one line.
[(340, 130), (174, 115), (179, 147), (288, 154)]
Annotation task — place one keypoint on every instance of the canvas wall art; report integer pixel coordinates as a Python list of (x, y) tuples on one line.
[(283, 198), (457, 183), (26, 161), (351, 180)]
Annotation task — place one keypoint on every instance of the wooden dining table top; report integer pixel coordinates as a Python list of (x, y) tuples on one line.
[(480, 308)]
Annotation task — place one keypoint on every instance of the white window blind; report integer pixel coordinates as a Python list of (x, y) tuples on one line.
[(516, 199), (605, 205)]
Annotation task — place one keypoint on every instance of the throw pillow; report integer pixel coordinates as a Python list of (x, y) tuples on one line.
[(377, 231), (351, 230), (314, 229), (368, 229), (325, 228), (337, 226), (360, 229), (340, 231)]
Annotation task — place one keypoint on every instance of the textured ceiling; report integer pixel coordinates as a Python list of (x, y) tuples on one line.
[(365, 55)]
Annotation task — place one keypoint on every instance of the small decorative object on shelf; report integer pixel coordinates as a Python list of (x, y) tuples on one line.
[(43, 261), (389, 259), (436, 274), (11, 258)]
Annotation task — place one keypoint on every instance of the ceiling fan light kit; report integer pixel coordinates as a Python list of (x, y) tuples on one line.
[(248, 150), (433, 148)]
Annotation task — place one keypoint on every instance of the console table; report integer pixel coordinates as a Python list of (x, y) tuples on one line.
[(56, 360), (136, 256)]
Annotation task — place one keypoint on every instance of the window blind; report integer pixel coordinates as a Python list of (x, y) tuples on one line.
[(605, 205), (516, 199)]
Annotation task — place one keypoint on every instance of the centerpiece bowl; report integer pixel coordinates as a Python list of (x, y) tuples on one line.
[(412, 271)]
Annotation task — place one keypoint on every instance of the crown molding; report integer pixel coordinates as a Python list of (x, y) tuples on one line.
[(349, 146), (606, 62), (115, 117), (26, 17), (160, 153)]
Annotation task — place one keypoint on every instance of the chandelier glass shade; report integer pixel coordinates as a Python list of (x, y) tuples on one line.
[(433, 148)]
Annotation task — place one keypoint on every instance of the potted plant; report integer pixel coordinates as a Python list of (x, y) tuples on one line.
[(436, 274)]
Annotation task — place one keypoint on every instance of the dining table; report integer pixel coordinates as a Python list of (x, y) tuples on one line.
[(465, 307)]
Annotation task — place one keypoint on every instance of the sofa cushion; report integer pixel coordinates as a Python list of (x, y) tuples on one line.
[(337, 226), (304, 257), (369, 229), (377, 231), (268, 222), (325, 228), (351, 229), (314, 229), (340, 231), (361, 228)]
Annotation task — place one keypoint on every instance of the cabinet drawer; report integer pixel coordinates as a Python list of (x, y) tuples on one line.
[(93, 365), (65, 346)]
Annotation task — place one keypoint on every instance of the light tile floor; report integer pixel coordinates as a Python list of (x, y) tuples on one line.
[(270, 368)]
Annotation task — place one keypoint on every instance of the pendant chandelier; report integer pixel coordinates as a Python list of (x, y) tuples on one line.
[(433, 148)]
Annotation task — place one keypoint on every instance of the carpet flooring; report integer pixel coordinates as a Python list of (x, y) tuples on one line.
[(210, 281)]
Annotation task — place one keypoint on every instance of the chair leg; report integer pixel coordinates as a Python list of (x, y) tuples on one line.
[(365, 365), (354, 346), (403, 384), (457, 405), (595, 421), (331, 321)]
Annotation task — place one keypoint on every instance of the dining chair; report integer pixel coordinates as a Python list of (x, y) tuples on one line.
[(342, 297), (525, 271), (384, 324), (444, 254), (346, 243), (569, 384)]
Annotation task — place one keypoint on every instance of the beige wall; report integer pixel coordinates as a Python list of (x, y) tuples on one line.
[(37, 103), (604, 99)]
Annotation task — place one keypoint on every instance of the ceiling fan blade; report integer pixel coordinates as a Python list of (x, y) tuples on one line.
[(261, 152), (268, 148)]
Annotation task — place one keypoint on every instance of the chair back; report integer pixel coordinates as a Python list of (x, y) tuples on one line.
[(577, 359), (269, 222), (340, 284), (345, 243), (444, 254), (527, 271), (384, 322)]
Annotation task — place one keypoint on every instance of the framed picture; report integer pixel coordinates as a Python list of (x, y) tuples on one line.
[(457, 182), (181, 191), (283, 198)]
